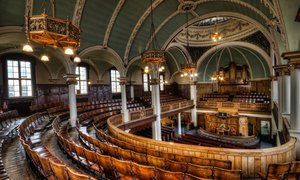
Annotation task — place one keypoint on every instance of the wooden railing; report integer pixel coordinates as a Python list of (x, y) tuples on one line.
[(258, 107), (249, 161)]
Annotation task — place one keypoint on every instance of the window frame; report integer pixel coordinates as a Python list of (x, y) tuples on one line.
[(116, 81), (86, 66), (20, 58)]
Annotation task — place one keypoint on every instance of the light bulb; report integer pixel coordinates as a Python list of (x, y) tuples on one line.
[(77, 59), (27, 48), (69, 51), (185, 74), (163, 67), (181, 75), (44, 58)]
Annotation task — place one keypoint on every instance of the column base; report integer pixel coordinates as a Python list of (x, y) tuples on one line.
[(73, 122), (296, 133)]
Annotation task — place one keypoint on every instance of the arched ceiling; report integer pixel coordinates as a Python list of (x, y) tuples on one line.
[(258, 66), (123, 25)]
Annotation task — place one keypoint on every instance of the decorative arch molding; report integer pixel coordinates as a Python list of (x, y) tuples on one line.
[(173, 76), (93, 66), (137, 28), (266, 57), (131, 62), (259, 26), (174, 59), (118, 62), (112, 22), (35, 55), (180, 47)]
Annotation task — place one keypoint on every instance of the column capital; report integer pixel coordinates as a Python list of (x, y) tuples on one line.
[(71, 78), (123, 80), (281, 70), (293, 59), (154, 81)]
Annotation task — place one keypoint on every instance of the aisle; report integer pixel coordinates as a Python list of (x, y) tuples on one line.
[(15, 161)]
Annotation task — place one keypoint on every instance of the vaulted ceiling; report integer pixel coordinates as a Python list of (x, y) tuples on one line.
[(117, 31)]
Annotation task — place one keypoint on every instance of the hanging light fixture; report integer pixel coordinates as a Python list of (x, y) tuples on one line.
[(77, 59), (215, 37), (27, 47), (153, 56), (52, 31), (45, 58), (188, 69)]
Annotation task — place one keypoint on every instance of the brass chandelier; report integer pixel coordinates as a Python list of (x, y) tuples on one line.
[(188, 69), (52, 32), (153, 56)]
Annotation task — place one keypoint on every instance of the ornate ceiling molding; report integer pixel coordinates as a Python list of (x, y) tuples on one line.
[(112, 21), (137, 28), (78, 12), (230, 30), (181, 48), (242, 3), (249, 6), (28, 7), (258, 25), (174, 59)]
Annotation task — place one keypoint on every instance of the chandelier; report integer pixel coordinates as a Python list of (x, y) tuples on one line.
[(52, 32), (215, 37), (188, 70), (217, 76), (153, 56)]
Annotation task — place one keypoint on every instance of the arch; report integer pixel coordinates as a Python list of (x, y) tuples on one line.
[(14, 50), (181, 48), (234, 44), (115, 59)]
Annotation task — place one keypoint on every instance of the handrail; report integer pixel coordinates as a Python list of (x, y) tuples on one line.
[(250, 161)]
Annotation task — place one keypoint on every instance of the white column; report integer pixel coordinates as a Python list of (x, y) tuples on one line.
[(71, 81), (286, 94), (294, 62), (295, 100), (179, 123), (274, 92), (193, 88), (284, 87), (279, 80), (125, 113), (132, 92), (156, 125)]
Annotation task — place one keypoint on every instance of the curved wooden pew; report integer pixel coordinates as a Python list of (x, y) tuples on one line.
[(47, 164)]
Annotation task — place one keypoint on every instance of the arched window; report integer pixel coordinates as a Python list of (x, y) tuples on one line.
[(146, 82), (115, 81), (82, 80), (161, 82), (18, 72)]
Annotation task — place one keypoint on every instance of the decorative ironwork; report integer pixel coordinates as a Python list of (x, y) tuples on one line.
[(188, 70), (51, 31), (153, 57)]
